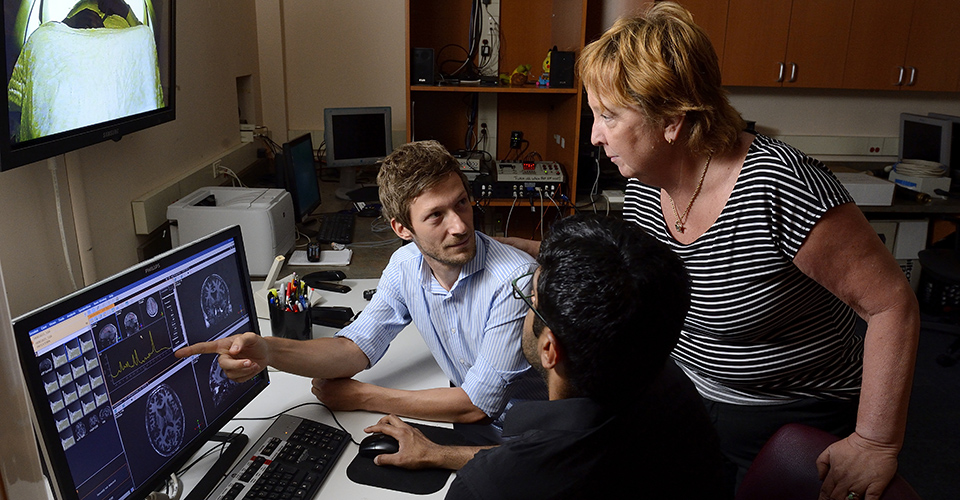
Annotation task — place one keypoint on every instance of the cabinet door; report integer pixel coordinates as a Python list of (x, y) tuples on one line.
[(878, 44), (933, 49), (711, 15), (817, 43), (755, 43)]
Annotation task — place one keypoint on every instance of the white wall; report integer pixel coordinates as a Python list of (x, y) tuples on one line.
[(216, 43), (343, 54)]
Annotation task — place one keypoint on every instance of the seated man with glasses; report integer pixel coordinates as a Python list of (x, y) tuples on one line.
[(453, 283), (605, 311)]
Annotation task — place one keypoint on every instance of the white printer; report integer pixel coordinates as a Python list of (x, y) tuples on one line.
[(265, 217)]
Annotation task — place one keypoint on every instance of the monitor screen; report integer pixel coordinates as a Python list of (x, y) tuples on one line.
[(954, 138), (115, 410), (924, 138), (80, 72), (357, 136), (300, 175)]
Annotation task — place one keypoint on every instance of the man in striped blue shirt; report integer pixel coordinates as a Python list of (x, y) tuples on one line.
[(454, 284)]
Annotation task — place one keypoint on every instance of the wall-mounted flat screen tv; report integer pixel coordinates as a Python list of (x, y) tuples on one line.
[(79, 72)]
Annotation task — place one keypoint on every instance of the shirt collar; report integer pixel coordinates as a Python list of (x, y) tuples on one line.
[(570, 414), (475, 265)]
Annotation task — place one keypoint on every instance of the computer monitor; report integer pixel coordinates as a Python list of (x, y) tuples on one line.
[(355, 137), (925, 138), (115, 410), (300, 176), (954, 138)]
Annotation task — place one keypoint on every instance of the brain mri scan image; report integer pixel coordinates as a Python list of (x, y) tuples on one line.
[(152, 307), (215, 300), (220, 385), (131, 324), (165, 420), (107, 335)]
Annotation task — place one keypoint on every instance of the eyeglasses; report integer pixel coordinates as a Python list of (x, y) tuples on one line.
[(522, 283)]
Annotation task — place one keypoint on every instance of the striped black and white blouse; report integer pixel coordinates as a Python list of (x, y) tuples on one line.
[(759, 331)]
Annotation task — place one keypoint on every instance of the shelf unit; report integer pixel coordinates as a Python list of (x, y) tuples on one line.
[(549, 118)]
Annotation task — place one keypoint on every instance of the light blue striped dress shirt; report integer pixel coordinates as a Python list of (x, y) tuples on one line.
[(473, 330)]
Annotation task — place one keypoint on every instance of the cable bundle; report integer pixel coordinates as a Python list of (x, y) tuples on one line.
[(920, 168)]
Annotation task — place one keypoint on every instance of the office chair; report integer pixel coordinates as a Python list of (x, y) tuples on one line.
[(786, 468)]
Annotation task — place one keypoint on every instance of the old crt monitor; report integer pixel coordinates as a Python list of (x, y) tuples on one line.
[(115, 410), (300, 176), (954, 137), (356, 137), (79, 73), (925, 138)]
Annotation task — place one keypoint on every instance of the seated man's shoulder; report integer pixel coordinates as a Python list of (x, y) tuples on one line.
[(504, 254)]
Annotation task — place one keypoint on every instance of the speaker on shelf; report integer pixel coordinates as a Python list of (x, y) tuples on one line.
[(421, 62), (561, 70)]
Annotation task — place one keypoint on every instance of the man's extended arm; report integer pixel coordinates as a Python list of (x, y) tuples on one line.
[(243, 356)]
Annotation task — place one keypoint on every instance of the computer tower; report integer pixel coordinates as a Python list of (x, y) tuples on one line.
[(421, 66), (561, 69)]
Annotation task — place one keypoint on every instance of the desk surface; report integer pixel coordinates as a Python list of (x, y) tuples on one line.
[(408, 364)]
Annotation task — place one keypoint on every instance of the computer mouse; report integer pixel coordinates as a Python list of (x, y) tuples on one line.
[(378, 444)]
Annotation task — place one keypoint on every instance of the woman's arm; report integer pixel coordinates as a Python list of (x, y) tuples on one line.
[(845, 255)]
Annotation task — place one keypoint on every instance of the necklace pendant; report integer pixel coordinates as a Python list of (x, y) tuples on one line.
[(679, 226)]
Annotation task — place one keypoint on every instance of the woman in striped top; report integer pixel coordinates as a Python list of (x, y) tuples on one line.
[(781, 261)]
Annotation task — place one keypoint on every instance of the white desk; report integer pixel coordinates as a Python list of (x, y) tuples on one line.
[(408, 364)]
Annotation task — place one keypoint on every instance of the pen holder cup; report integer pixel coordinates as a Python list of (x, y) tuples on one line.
[(289, 324)]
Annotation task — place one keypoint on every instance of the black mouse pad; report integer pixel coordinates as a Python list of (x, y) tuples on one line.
[(362, 470)]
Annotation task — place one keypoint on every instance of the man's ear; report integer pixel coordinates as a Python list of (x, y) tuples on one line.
[(549, 349), (672, 127), (402, 231)]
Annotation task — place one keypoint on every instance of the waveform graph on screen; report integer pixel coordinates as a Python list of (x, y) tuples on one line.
[(133, 361)]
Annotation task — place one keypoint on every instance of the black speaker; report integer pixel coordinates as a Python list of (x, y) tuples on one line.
[(421, 70), (561, 70)]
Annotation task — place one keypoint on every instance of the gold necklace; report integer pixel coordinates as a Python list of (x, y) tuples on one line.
[(680, 225)]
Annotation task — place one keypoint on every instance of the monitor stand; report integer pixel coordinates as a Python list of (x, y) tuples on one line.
[(348, 182), (234, 446)]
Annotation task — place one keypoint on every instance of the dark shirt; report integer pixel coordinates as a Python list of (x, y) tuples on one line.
[(574, 448)]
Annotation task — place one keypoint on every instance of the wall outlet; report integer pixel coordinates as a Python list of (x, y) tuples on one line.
[(216, 167)]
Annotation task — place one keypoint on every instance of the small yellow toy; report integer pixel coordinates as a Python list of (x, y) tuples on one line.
[(544, 80), (518, 77)]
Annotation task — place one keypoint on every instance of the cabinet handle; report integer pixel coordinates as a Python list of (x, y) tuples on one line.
[(913, 76), (899, 78), (793, 73), (783, 68)]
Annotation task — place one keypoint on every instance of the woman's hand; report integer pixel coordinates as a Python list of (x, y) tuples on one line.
[(532, 247), (856, 465)]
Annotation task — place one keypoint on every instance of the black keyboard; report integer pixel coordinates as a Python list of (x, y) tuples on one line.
[(289, 462), (335, 228)]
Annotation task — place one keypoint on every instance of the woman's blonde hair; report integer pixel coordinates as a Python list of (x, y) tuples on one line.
[(664, 64)]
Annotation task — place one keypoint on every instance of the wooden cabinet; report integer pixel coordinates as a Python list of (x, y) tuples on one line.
[(547, 117), (909, 45), (773, 43), (711, 16)]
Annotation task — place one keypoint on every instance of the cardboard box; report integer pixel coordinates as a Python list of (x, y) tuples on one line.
[(866, 189), (922, 184)]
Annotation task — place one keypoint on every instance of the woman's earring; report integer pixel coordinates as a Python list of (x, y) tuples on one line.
[(670, 142)]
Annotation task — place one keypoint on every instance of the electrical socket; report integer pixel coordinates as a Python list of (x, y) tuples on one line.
[(216, 167)]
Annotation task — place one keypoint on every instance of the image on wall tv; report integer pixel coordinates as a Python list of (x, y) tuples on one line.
[(79, 72)]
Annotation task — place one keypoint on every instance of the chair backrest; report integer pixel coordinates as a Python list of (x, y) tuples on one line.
[(786, 468)]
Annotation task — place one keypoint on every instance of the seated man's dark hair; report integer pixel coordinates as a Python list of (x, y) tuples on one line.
[(616, 299)]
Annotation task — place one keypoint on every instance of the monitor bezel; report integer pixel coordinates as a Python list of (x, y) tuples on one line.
[(13, 155), (53, 454), (945, 126), (329, 144), (954, 158), (290, 177)]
